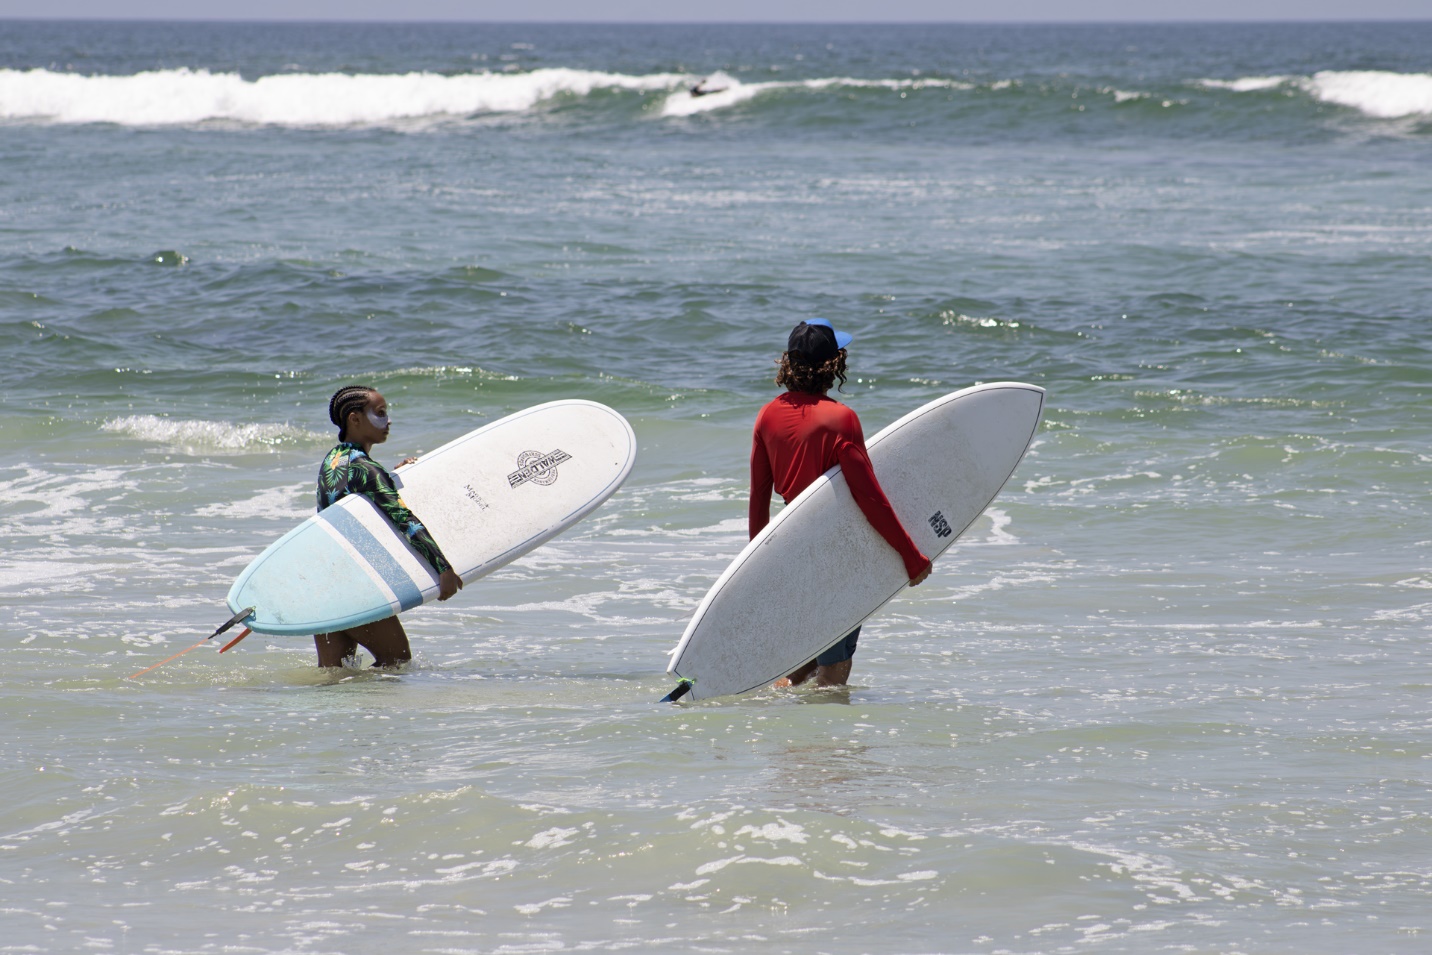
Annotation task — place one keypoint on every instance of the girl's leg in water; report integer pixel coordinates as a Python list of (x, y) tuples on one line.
[(385, 639)]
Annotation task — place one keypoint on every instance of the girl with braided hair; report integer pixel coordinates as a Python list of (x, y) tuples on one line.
[(361, 414), (802, 434)]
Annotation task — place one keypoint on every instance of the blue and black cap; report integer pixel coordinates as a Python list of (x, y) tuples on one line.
[(816, 341)]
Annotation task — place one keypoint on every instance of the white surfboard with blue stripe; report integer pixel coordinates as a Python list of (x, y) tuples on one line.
[(487, 498)]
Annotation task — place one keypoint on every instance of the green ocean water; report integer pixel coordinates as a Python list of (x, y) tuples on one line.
[(1169, 694)]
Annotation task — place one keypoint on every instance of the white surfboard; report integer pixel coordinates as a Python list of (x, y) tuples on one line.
[(819, 569), (487, 498)]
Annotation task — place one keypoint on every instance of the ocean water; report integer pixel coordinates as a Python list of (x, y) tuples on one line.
[(1170, 694)]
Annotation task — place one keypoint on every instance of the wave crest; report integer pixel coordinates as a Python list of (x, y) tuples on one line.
[(1377, 93), (192, 96), (1374, 92), (184, 96), (210, 435), (727, 91)]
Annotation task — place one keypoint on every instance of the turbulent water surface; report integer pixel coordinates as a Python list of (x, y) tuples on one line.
[(1170, 694)]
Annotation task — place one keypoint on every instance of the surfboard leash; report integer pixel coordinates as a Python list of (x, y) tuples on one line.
[(682, 688), (241, 615)]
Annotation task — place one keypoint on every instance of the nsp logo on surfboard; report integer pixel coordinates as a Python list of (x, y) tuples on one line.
[(537, 467)]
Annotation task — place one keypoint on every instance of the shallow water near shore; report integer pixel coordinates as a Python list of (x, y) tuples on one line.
[(1169, 694)]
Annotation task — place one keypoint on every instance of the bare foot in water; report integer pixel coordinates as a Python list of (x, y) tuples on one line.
[(796, 678)]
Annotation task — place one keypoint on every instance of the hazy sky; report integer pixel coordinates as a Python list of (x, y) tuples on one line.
[(709, 11)]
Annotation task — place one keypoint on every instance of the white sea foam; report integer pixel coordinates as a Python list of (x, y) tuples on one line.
[(719, 864), (14, 575), (290, 502), (1157, 874), (188, 96), (210, 435), (999, 531), (184, 96), (774, 832), (1374, 92), (552, 838), (727, 92), (1379, 93), (1247, 84)]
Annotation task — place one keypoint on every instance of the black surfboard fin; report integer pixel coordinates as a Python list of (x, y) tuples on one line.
[(244, 614), (682, 688)]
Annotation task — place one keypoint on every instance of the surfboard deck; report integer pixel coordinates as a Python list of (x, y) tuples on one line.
[(819, 569), (487, 498)]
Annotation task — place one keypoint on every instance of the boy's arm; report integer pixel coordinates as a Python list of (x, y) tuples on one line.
[(758, 513), (865, 488)]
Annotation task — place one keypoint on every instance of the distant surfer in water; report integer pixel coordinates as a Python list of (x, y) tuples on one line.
[(361, 415), (802, 434), (708, 85)]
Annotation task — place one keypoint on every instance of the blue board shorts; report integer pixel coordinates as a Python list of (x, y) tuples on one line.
[(842, 651)]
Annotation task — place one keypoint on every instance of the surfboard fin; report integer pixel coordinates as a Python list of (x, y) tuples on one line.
[(230, 645), (241, 615), (682, 688)]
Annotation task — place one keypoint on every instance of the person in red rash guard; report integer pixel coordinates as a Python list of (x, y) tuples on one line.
[(802, 434)]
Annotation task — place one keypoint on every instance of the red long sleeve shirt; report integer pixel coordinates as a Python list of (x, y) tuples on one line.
[(798, 438)]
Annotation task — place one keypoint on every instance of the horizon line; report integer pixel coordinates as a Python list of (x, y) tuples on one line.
[(447, 21)]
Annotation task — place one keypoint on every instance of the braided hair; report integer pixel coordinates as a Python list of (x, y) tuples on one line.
[(345, 401)]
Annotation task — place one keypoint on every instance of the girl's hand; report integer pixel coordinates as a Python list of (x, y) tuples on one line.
[(405, 462), (449, 583)]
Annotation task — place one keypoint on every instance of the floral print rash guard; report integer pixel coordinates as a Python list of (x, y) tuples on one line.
[(349, 470)]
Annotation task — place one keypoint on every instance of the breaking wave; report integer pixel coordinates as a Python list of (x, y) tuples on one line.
[(184, 96), (322, 100), (1377, 93), (187, 97), (719, 91), (191, 434)]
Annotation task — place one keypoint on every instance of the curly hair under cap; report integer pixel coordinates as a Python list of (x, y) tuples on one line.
[(345, 401), (797, 375)]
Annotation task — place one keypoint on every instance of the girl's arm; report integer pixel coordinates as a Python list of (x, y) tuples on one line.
[(369, 479)]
